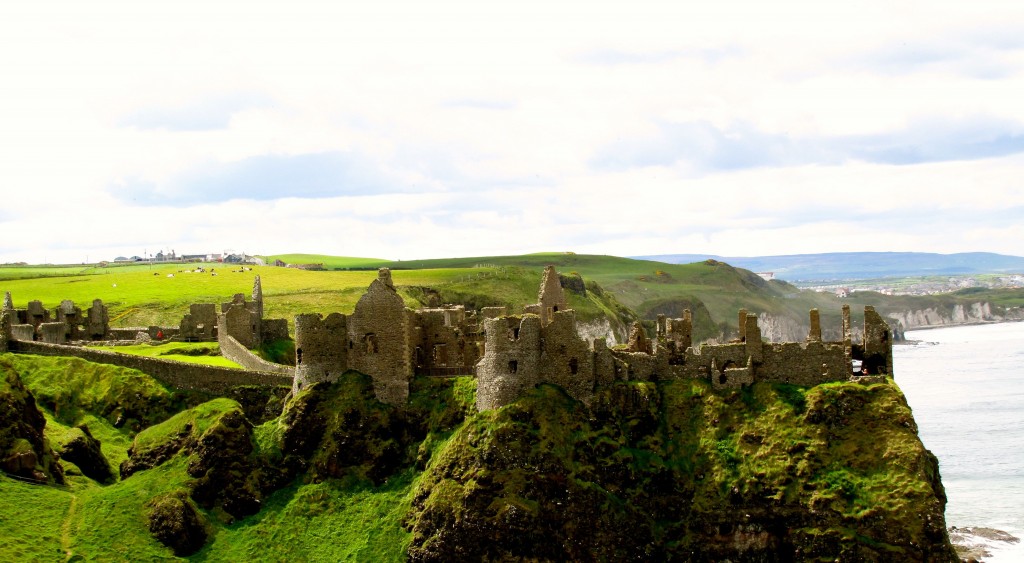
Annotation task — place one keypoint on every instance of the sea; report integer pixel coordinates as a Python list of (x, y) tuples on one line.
[(965, 385)]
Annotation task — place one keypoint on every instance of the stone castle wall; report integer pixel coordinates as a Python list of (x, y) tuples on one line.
[(233, 350), (321, 348), (181, 375), (543, 347)]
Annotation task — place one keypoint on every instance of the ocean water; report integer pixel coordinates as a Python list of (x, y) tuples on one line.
[(966, 388)]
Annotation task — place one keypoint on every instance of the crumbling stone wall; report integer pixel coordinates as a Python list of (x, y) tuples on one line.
[(200, 323), (321, 349), (566, 359), (538, 352), (35, 314), (446, 341), (26, 333), (808, 363), (7, 320), (182, 375), (53, 333), (97, 324), (238, 319), (72, 318), (677, 334), (234, 351), (388, 342)]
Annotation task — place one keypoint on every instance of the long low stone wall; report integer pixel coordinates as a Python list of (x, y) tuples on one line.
[(233, 350), (182, 375)]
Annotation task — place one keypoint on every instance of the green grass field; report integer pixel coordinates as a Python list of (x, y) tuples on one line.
[(329, 262)]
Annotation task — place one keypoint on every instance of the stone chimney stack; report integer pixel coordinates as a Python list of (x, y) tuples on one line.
[(257, 296), (815, 333)]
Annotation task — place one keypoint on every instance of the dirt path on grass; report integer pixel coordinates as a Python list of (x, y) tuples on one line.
[(66, 527)]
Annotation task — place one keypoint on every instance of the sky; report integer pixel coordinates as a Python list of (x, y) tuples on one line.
[(412, 129)]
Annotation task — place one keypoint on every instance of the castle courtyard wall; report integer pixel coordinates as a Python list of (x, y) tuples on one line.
[(182, 375)]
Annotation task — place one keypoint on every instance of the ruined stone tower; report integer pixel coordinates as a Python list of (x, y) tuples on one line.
[(379, 336), (243, 320), (551, 298)]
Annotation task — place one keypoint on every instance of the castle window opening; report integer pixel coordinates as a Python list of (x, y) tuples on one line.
[(574, 366), (371, 343), (440, 354), (298, 355), (722, 378), (513, 366)]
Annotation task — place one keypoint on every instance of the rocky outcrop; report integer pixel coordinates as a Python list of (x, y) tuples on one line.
[(83, 450), (24, 450), (174, 521), (677, 471), (217, 439)]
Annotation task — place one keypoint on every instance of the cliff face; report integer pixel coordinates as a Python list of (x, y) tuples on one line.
[(678, 471), (786, 329), (955, 315)]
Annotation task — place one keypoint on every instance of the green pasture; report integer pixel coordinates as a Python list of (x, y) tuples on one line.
[(329, 262)]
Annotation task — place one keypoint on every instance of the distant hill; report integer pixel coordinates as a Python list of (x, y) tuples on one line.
[(860, 265)]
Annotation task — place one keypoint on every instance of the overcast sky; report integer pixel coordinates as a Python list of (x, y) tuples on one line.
[(426, 129)]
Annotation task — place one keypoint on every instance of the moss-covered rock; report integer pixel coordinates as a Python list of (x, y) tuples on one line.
[(217, 441), (175, 522), (260, 403), (339, 429), (24, 449), (82, 449), (679, 471)]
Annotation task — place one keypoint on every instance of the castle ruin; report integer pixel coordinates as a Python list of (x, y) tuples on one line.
[(509, 354), (387, 341)]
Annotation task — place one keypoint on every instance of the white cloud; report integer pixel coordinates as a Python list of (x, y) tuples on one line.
[(483, 122)]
